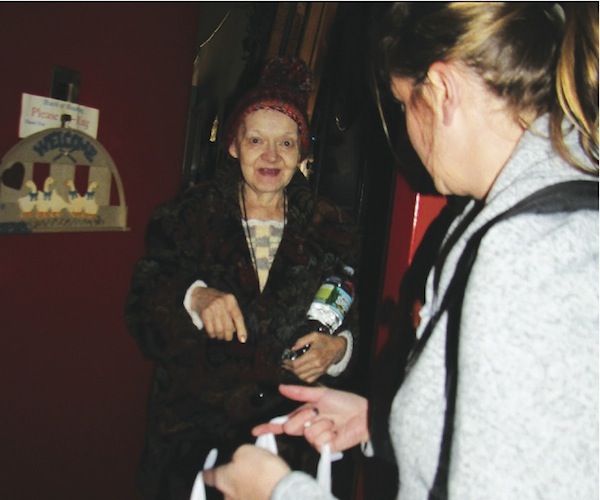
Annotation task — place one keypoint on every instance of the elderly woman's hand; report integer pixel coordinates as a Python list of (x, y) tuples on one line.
[(219, 313), (252, 474), (325, 350)]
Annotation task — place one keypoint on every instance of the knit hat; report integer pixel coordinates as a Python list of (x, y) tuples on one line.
[(284, 86)]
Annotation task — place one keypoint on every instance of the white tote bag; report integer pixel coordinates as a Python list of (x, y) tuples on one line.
[(268, 442)]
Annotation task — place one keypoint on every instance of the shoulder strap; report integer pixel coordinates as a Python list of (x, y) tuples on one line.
[(568, 196)]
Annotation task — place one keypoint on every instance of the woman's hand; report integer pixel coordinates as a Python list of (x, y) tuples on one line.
[(219, 313), (325, 350), (252, 474), (329, 416)]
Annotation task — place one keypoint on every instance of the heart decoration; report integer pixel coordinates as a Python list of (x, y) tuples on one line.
[(13, 176)]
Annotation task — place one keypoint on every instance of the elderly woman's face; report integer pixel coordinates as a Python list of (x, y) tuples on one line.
[(267, 146)]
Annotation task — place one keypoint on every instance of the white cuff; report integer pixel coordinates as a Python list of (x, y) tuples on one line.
[(187, 303), (367, 449), (337, 368)]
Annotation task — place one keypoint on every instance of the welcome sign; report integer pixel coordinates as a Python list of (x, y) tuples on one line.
[(60, 180), (64, 142)]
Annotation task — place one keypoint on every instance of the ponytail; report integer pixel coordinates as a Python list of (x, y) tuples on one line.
[(577, 83)]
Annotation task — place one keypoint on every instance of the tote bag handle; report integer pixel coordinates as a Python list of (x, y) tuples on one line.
[(268, 442)]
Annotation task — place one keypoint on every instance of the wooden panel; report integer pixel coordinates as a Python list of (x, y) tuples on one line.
[(314, 48), (301, 29)]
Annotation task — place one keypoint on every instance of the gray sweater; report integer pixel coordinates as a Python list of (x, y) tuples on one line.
[(526, 424)]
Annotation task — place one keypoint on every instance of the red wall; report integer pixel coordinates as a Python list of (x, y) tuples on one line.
[(74, 386), (411, 215)]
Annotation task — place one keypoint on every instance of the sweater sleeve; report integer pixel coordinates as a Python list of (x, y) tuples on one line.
[(299, 485), (526, 423), (528, 386)]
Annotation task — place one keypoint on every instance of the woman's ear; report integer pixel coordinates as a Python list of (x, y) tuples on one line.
[(233, 150), (445, 84)]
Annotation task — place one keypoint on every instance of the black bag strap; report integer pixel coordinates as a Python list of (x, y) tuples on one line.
[(453, 238), (567, 196)]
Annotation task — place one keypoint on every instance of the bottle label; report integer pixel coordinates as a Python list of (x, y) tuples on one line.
[(336, 299)]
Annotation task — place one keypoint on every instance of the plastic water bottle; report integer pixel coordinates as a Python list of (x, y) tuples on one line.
[(331, 303)]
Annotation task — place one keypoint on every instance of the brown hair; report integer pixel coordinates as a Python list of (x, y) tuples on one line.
[(577, 80), (525, 52)]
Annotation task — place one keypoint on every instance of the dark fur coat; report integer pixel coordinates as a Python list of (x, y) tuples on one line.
[(208, 391)]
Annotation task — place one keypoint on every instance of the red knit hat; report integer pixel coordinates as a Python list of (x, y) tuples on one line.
[(284, 86)]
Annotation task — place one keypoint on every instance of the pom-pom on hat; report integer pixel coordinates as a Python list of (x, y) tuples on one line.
[(284, 86)]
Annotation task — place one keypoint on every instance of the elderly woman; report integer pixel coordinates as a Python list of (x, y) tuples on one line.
[(230, 270), (501, 396)]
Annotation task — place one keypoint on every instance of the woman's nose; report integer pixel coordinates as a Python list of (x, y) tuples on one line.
[(270, 153)]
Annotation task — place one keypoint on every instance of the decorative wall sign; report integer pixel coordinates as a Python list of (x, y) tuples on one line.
[(42, 113), (60, 179)]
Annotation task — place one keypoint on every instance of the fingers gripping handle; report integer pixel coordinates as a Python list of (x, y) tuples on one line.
[(268, 442)]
